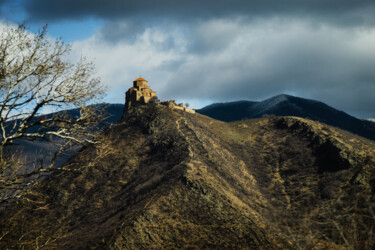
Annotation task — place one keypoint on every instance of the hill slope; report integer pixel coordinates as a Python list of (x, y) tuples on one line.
[(286, 105), (166, 178)]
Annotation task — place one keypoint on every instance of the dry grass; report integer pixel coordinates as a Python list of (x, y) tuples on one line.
[(170, 179)]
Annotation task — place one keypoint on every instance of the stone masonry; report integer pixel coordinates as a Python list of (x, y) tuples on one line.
[(139, 93)]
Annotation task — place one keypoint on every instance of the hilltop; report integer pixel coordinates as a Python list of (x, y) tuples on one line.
[(165, 178), (281, 105)]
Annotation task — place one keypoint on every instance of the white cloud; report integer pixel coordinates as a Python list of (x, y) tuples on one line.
[(231, 59), (120, 63)]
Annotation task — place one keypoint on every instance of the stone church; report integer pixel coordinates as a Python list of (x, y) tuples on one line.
[(139, 93)]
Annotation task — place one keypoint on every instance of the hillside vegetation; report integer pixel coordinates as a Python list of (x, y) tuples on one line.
[(165, 178)]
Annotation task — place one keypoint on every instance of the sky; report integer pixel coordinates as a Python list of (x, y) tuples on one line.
[(206, 51)]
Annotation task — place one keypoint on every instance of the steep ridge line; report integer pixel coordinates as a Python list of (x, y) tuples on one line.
[(178, 180)]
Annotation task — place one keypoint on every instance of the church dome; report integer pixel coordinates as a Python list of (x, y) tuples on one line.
[(140, 79)]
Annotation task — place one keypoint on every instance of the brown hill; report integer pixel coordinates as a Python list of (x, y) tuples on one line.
[(165, 178)]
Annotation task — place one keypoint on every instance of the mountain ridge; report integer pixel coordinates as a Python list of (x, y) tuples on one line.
[(281, 105), (287, 105), (166, 178)]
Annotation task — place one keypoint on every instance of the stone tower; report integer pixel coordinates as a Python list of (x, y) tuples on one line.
[(140, 93)]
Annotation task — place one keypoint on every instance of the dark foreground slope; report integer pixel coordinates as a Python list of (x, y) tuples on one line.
[(286, 105), (165, 178)]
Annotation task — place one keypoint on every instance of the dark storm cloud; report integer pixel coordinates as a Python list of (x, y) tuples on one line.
[(2, 2), (344, 11)]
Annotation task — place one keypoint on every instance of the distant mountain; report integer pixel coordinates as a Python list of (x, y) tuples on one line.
[(286, 105), (111, 113), (42, 150)]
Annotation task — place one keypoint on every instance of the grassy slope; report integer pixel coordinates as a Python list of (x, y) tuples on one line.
[(169, 178)]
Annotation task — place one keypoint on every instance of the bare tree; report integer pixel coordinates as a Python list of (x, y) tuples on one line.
[(36, 76)]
